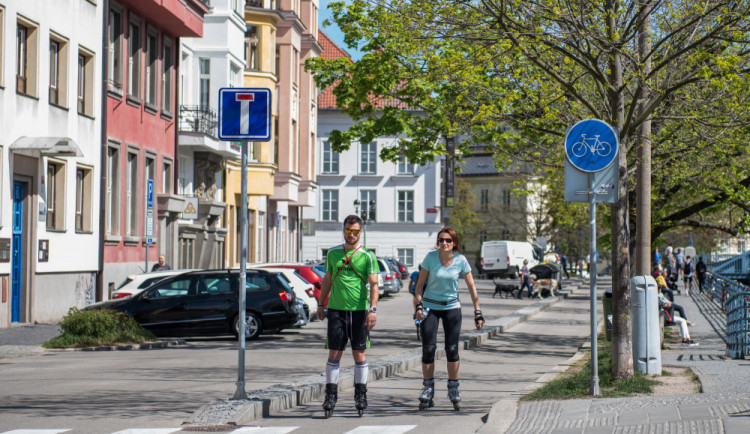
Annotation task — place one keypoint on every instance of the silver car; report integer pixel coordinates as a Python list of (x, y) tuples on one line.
[(391, 284)]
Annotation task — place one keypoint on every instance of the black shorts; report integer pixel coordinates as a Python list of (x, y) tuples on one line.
[(347, 325)]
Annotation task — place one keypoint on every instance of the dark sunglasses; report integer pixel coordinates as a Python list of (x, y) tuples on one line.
[(352, 231), (445, 240)]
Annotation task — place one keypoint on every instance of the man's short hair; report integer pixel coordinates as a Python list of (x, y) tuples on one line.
[(352, 219)]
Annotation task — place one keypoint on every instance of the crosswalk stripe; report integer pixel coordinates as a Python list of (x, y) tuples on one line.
[(265, 429), (36, 431), (381, 429), (148, 431)]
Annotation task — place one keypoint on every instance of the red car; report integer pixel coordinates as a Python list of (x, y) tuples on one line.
[(307, 272)]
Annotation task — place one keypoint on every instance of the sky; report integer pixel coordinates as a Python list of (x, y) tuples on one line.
[(333, 31)]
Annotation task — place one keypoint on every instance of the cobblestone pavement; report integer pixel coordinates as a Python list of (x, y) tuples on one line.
[(722, 407)]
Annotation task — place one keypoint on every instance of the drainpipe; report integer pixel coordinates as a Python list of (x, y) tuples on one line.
[(103, 157), (178, 56)]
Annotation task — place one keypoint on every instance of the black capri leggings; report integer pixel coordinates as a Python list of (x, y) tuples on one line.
[(452, 328)]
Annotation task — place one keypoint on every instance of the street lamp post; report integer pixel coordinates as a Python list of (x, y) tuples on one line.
[(365, 215)]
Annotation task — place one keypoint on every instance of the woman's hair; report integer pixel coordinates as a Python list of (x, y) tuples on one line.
[(453, 236)]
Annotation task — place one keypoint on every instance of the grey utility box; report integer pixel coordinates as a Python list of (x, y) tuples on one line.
[(644, 303)]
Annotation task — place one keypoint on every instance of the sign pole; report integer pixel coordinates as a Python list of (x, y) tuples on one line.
[(240, 392), (149, 217), (592, 276)]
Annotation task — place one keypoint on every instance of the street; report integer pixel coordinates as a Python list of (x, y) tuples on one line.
[(109, 391)]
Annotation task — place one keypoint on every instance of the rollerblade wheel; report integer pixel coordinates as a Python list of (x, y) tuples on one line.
[(329, 413), (422, 405), (361, 412), (457, 406)]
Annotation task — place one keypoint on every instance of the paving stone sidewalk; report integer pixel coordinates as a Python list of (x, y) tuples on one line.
[(722, 407)]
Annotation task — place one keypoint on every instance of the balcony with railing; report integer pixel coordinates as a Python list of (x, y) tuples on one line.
[(262, 4), (198, 119)]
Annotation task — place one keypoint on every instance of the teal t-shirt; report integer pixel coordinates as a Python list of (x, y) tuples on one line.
[(442, 282)]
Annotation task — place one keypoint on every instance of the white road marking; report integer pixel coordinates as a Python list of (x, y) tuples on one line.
[(381, 429), (266, 429), (36, 431)]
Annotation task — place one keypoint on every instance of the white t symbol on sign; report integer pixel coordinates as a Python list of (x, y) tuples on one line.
[(245, 99)]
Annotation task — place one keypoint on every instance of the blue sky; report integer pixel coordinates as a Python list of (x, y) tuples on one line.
[(333, 31)]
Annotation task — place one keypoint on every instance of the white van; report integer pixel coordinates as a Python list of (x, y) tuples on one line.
[(505, 258)]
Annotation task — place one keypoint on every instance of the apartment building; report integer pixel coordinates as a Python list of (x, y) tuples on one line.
[(141, 132), (399, 201), (50, 135)]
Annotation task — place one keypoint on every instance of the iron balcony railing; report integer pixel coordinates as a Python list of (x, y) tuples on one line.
[(198, 119)]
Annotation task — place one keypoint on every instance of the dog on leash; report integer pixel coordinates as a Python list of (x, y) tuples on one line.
[(544, 288), (501, 288)]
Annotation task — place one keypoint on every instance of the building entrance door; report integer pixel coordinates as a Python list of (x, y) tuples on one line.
[(17, 246)]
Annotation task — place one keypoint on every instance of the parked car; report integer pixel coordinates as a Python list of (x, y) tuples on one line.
[(135, 283), (403, 269), (306, 271), (303, 289), (205, 303), (391, 284), (396, 271), (505, 258)]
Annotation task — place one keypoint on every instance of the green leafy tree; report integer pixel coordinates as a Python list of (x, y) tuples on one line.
[(512, 75)]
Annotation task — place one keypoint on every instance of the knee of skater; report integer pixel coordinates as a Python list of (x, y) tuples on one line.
[(451, 353), (428, 354)]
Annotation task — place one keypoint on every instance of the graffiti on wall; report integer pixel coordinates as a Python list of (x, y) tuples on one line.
[(85, 291)]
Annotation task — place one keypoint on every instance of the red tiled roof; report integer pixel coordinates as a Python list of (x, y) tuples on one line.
[(326, 99)]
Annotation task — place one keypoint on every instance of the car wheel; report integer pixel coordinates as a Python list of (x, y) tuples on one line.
[(253, 326)]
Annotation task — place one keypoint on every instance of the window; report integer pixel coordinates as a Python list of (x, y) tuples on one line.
[(183, 183), (367, 203), (506, 199), (134, 56), (85, 83), (2, 43), (404, 167), (295, 66), (405, 206), (54, 71), (330, 205), (113, 192), (55, 195), (83, 199), (330, 159), (166, 176), (368, 158), (205, 82), (406, 256), (152, 71), (26, 54), (131, 195), (252, 52), (167, 73), (484, 199), (114, 69)]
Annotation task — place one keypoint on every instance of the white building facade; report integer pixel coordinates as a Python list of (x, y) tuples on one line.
[(50, 149), (400, 200)]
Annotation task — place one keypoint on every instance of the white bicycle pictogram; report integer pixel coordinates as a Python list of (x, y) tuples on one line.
[(597, 147)]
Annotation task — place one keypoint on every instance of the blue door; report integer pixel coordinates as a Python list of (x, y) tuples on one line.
[(17, 267)]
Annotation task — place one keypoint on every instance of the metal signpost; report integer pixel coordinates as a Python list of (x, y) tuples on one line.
[(149, 217), (244, 114), (591, 146)]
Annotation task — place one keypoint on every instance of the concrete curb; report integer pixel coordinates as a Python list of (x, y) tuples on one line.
[(274, 399), (127, 347)]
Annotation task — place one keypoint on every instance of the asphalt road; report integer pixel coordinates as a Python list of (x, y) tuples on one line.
[(116, 390)]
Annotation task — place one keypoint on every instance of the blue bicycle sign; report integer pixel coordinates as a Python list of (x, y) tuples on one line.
[(591, 145)]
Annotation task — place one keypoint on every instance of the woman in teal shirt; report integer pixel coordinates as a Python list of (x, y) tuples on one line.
[(436, 298)]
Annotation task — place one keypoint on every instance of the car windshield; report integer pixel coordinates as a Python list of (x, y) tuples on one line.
[(318, 271), (125, 282), (148, 282), (283, 282)]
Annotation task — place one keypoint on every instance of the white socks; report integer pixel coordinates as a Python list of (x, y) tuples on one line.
[(332, 372), (360, 372)]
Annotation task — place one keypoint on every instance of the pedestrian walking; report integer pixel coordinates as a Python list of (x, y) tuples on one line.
[(688, 274), (525, 279), (352, 311), (437, 290), (679, 260), (161, 265), (564, 263), (700, 270)]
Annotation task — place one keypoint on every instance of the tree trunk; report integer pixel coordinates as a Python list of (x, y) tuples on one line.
[(622, 354)]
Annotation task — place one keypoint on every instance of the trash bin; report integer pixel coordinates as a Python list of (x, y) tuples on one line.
[(644, 304), (607, 305)]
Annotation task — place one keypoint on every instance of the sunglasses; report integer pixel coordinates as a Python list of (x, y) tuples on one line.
[(352, 231), (445, 240)]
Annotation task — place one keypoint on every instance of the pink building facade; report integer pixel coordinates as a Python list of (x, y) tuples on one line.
[(141, 126)]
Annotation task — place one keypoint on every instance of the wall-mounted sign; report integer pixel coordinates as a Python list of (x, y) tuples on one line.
[(191, 208), (43, 250)]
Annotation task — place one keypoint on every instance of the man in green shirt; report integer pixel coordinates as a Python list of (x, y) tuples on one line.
[(352, 310)]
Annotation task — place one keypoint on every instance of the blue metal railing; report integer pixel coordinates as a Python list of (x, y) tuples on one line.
[(734, 298)]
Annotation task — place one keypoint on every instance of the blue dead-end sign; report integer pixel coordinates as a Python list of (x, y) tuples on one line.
[(244, 114), (591, 145)]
